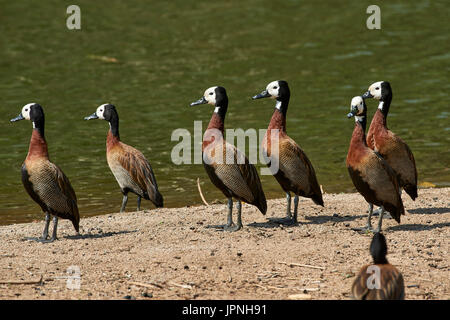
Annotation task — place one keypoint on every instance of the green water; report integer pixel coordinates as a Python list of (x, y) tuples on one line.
[(151, 59)]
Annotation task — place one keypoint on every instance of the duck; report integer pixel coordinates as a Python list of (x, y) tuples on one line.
[(380, 280), (129, 166), (372, 176), (43, 180), (390, 146), (295, 172), (227, 167)]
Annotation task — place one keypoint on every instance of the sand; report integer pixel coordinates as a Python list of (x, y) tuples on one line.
[(176, 253)]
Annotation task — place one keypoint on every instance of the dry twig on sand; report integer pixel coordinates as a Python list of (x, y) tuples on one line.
[(200, 191), (22, 281), (292, 264), (184, 286), (146, 285)]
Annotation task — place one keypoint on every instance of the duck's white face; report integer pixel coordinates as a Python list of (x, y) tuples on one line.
[(100, 111), (210, 95), (357, 108), (375, 90), (358, 103), (273, 89), (26, 110)]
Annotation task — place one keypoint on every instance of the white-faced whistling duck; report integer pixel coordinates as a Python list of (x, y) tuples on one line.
[(381, 280), (44, 181), (295, 173), (391, 147), (228, 168), (371, 174), (128, 165)]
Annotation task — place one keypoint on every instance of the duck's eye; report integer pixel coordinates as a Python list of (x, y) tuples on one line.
[(377, 88), (26, 110), (275, 87), (210, 93)]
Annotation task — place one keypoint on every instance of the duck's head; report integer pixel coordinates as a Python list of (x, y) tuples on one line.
[(358, 108), (378, 248), (277, 89), (105, 112), (32, 112), (380, 90), (216, 96)]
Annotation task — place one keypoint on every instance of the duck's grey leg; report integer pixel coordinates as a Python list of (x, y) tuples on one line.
[(139, 204), (45, 235), (239, 219), (294, 218), (238, 225), (368, 227), (380, 220), (288, 210), (369, 223), (47, 223), (124, 202), (230, 213), (55, 227), (288, 218)]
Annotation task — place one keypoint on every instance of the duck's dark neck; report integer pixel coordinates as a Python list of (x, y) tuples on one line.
[(278, 120), (218, 118), (39, 125), (380, 260), (282, 104), (114, 125), (362, 121), (384, 104), (379, 257)]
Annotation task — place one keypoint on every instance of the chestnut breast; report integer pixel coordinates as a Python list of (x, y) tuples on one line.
[(122, 174)]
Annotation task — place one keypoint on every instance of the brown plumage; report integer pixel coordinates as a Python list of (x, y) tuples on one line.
[(239, 179), (391, 147), (43, 180), (229, 169), (371, 174), (131, 169), (295, 172), (381, 280)]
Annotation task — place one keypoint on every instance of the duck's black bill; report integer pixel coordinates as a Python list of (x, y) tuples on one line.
[(367, 95), (264, 94), (92, 116), (353, 112), (199, 101), (18, 118)]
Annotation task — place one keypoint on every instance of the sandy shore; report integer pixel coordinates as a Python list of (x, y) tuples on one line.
[(178, 254)]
